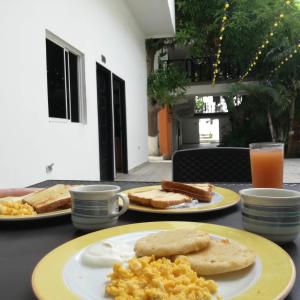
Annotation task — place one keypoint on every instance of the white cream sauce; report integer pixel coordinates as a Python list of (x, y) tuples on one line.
[(105, 254)]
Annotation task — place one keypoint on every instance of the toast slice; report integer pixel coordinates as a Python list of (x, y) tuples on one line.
[(49, 199), (158, 198), (199, 191)]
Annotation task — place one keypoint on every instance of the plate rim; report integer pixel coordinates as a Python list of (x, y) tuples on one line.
[(224, 203), (46, 215), (60, 255)]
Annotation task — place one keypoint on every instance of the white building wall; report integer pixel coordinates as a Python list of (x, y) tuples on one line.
[(29, 141)]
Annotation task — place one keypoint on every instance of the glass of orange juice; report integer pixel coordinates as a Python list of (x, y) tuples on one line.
[(267, 164)]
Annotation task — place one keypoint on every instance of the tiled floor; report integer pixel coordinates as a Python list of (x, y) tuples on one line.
[(157, 169)]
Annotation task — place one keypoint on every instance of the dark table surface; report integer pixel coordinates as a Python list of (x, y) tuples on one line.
[(24, 243)]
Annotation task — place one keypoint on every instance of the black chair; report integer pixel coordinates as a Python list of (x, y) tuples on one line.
[(223, 164)]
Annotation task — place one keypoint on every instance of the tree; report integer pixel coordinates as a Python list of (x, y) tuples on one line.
[(164, 84), (273, 103), (249, 24), (277, 93)]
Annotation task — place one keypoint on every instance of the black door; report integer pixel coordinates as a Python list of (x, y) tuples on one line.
[(120, 125), (105, 123)]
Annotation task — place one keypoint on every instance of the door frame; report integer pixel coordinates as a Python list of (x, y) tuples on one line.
[(112, 172), (124, 121)]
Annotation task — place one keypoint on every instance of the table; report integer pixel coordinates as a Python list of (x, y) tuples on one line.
[(23, 244)]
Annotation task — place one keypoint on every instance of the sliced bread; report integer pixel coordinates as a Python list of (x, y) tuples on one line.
[(49, 199), (199, 191), (158, 198)]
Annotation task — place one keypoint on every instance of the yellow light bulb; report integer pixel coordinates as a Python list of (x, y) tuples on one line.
[(286, 59), (222, 29), (288, 2), (256, 57), (219, 51), (282, 62), (271, 33), (224, 18), (259, 52), (298, 45), (275, 24), (281, 15), (291, 55), (218, 62), (263, 46), (227, 5), (221, 38)]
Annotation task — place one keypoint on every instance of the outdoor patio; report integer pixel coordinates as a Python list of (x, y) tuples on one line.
[(157, 169)]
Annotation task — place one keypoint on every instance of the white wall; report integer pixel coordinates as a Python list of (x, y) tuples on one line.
[(29, 141)]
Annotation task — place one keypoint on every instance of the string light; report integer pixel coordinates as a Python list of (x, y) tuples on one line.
[(285, 60), (264, 44), (217, 62)]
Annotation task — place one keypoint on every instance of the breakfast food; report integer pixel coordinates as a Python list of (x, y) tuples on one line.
[(15, 192), (159, 274), (147, 278), (158, 199), (221, 256), (106, 254), (172, 242), (46, 200), (207, 256), (13, 208), (199, 191)]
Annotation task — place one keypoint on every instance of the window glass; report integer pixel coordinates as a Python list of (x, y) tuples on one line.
[(56, 80), (63, 68)]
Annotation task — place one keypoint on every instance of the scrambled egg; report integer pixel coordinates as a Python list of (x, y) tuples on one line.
[(12, 208), (161, 279)]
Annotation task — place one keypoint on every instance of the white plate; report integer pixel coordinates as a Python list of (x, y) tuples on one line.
[(51, 214), (61, 274), (222, 198), (89, 283)]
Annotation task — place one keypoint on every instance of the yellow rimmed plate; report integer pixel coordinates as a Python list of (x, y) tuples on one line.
[(61, 275), (52, 214), (11, 198), (222, 198)]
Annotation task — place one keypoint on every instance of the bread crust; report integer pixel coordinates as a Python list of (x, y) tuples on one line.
[(202, 192), (50, 199), (158, 198)]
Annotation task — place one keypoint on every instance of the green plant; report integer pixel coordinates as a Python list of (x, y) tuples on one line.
[(165, 85)]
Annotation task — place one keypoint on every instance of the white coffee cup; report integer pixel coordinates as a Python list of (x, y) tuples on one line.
[(97, 206)]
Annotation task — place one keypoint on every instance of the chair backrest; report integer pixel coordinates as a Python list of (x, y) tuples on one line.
[(223, 164)]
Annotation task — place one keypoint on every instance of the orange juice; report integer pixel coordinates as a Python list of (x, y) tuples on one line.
[(267, 167)]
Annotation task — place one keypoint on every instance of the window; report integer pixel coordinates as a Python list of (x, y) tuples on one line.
[(65, 81)]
